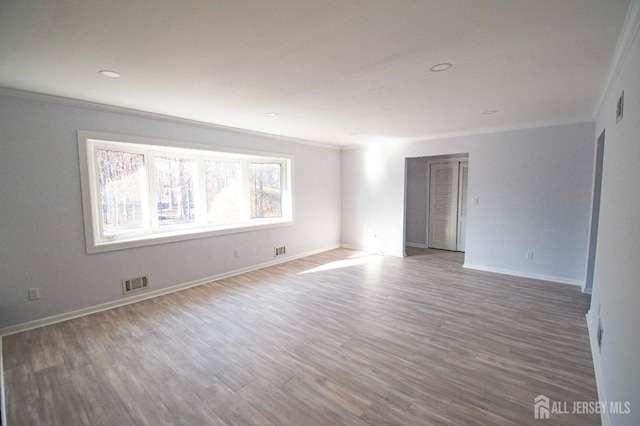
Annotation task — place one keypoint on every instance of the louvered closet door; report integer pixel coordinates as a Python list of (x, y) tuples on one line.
[(462, 204), (443, 205)]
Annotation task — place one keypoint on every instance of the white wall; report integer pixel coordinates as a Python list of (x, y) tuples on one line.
[(616, 283), (41, 225), (534, 191)]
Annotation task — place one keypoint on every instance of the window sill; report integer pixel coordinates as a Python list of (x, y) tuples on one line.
[(182, 235)]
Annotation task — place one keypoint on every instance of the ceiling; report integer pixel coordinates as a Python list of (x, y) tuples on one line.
[(342, 72)]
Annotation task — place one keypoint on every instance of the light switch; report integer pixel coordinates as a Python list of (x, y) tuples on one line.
[(474, 201)]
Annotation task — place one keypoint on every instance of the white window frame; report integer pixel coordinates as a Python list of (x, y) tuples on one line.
[(153, 233)]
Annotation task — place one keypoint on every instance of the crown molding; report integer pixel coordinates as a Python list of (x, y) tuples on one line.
[(41, 97), (628, 34), (60, 100), (480, 131)]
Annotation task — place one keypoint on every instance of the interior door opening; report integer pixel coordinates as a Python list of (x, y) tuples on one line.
[(436, 203), (595, 213)]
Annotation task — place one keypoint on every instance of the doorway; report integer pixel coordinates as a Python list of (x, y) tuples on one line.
[(595, 214), (450, 174)]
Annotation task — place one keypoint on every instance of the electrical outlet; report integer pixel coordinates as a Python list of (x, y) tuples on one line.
[(236, 253), (529, 255), (34, 294)]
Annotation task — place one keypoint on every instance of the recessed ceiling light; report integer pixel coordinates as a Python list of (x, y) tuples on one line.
[(110, 74), (489, 112), (271, 114), (440, 67)]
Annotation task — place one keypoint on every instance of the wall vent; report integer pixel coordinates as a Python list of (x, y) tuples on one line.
[(135, 284), (279, 251), (600, 334), (620, 108)]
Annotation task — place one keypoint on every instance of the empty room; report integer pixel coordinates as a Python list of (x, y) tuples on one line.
[(277, 212)]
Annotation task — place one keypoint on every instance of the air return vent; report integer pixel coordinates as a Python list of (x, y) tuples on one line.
[(600, 334), (135, 284), (620, 108), (279, 251)]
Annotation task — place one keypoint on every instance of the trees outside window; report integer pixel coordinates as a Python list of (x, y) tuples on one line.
[(174, 190), (121, 182), (265, 195)]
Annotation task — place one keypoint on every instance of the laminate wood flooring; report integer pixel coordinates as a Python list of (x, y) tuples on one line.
[(336, 338)]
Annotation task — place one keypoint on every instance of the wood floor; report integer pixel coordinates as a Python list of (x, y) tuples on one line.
[(331, 339)]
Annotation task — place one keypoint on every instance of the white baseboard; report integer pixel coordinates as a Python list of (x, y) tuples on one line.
[(416, 245), (149, 295), (592, 325), (524, 274)]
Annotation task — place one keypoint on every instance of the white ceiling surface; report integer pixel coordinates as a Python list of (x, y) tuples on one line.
[(328, 68)]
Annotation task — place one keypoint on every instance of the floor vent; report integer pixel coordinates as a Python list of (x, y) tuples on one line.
[(278, 251), (134, 284)]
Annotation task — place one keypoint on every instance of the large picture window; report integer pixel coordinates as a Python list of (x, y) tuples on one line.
[(139, 191)]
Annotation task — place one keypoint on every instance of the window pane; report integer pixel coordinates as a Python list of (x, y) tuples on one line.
[(174, 189), (121, 180), (265, 191), (224, 190)]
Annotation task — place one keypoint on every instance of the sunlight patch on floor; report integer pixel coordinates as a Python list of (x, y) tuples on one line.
[(355, 260)]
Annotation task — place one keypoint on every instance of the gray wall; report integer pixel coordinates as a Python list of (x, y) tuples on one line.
[(534, 191), (41, 225), (616, 282)]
